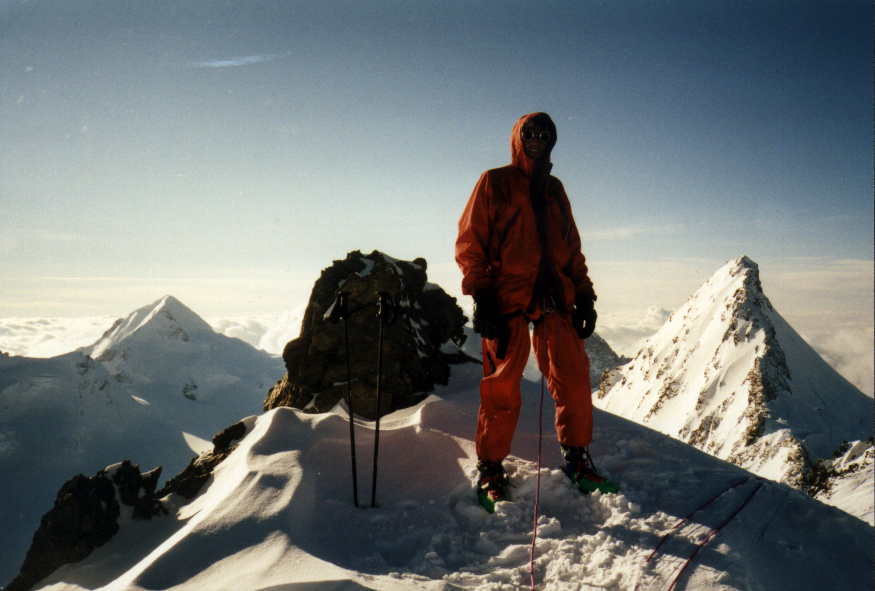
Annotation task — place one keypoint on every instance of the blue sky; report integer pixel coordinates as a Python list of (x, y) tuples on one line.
[(227, 151)]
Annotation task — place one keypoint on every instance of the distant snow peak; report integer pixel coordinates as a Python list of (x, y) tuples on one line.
[(184, 317), (728, 375), (164, 319)]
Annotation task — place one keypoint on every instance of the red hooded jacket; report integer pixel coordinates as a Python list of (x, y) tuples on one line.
[(499, 246)]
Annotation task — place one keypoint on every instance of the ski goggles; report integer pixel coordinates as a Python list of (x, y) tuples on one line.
[(536, 134)]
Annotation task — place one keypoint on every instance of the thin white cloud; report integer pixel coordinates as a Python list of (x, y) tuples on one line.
[(849, 351), (234, 62), (625, 336), (269, 333), (626, 232)]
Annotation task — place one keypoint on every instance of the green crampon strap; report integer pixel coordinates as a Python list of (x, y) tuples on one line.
[(589, 486), (488, 502), (485, 501)]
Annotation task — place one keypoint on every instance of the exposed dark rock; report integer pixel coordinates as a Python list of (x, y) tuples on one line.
[(85, 516), (86, 511), (222, 440), (135, 489), (846, 461), (601, 359), (426, 319), (189, 482)]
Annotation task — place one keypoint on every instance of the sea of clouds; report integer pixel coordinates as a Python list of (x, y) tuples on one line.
[(846, 348)]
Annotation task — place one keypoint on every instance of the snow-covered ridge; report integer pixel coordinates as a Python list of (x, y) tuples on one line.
[(727, 374), (278, 514)]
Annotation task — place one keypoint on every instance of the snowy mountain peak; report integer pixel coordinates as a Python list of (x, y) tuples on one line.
[(727, 374), (741, 275), (166, 319), (734, 267), (744, 261)]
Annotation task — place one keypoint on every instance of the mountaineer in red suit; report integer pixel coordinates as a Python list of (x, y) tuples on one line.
[(520, 255)]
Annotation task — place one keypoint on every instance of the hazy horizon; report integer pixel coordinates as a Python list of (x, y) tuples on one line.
[(227, 152)]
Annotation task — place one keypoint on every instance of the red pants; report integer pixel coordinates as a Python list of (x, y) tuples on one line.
[(563, 361)]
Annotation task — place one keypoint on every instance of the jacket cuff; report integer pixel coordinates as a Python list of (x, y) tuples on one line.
[(585, 291), (474, 285)]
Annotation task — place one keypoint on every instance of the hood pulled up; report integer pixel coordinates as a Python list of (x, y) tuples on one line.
[(518, 157)]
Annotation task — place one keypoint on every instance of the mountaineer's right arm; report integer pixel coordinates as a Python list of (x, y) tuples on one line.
[(472, 243)]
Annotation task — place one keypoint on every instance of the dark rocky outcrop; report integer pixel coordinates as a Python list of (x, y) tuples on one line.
[(602, 358), (87, 510), (85, 516), (189, 482), (426, 320)]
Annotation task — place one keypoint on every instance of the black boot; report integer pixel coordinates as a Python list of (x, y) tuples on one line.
[(580, 468)]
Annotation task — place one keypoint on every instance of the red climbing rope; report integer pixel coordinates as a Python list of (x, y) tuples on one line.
[(537, 507), (686, 519), (711, 535)]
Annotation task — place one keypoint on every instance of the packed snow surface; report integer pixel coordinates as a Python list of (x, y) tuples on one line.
[(278, 514)]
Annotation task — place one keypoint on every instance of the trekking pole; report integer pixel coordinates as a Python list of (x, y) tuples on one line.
[(381, 314), (337, 311)]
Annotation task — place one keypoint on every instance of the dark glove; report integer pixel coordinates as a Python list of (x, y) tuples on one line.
[(488, 321), (584, 317)]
